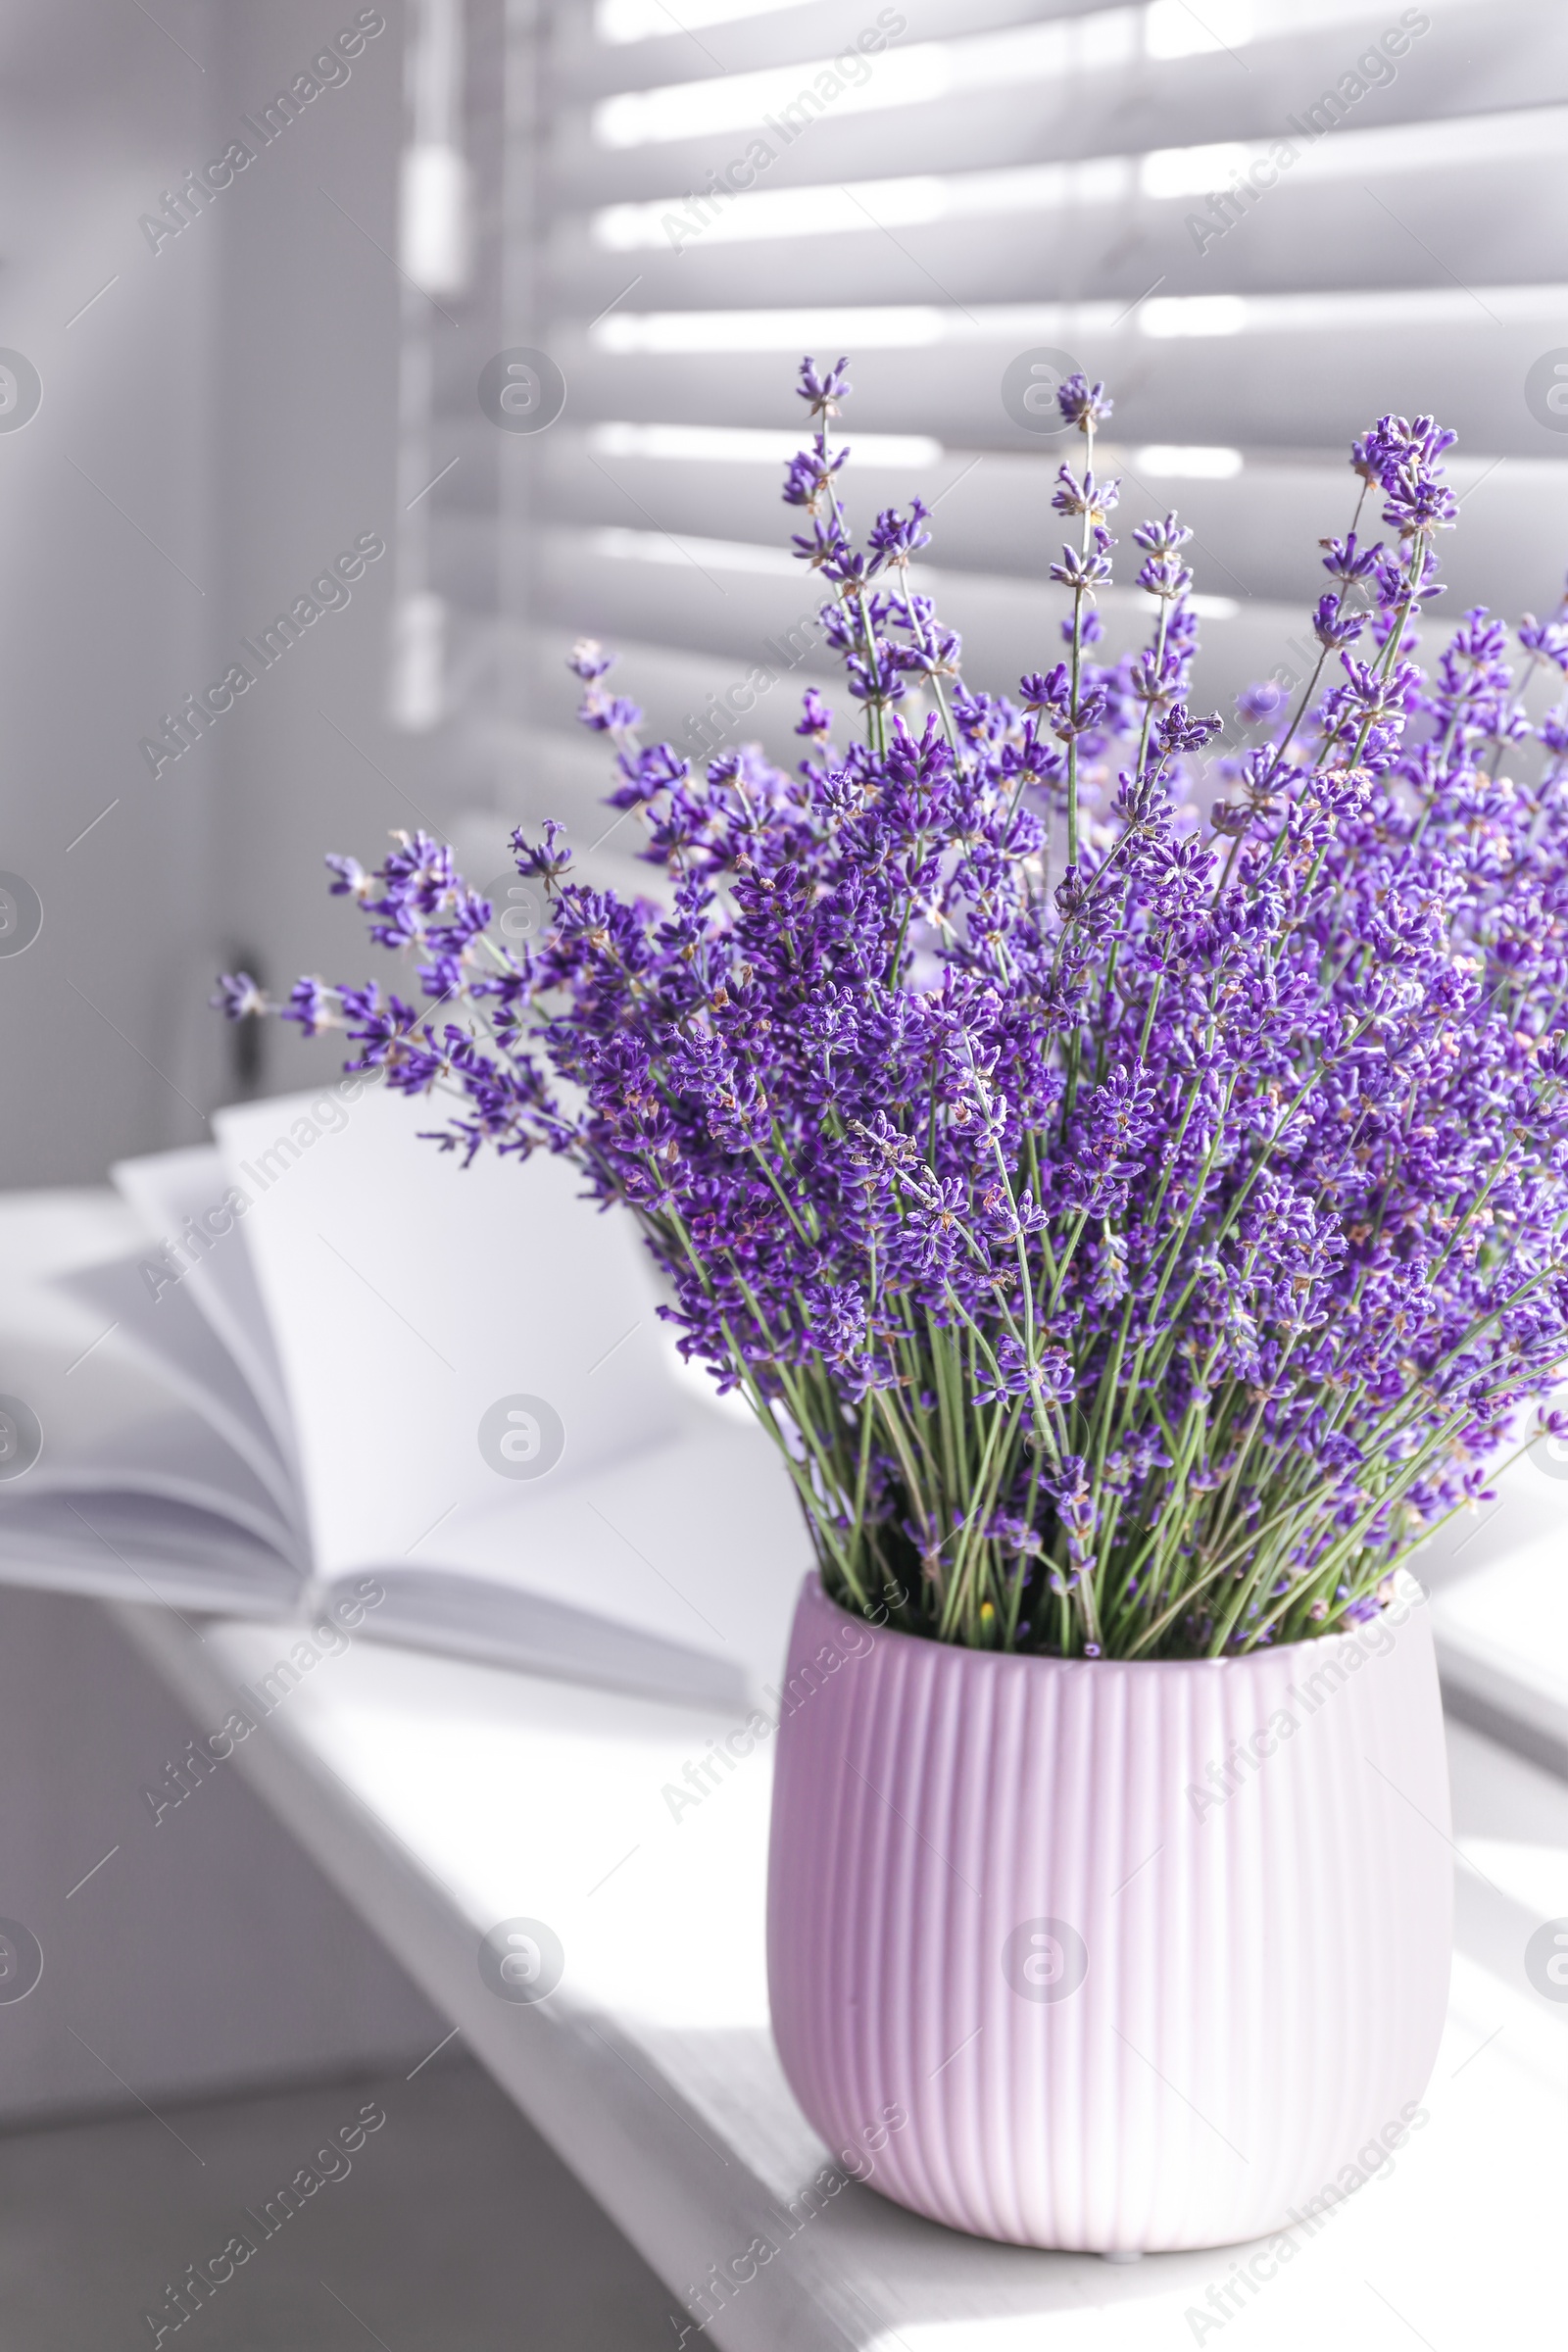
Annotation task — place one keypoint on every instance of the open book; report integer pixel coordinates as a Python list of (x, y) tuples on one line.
[(321, 1365)]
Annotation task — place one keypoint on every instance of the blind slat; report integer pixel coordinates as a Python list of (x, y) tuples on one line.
[(1280, 372), (1367, 226), (1256, 532), (586, 67)]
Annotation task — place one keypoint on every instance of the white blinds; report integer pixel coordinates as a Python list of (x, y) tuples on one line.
[(1262, 221)]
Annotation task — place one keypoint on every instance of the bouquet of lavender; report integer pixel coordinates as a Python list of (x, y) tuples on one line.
[(1137, 1231)]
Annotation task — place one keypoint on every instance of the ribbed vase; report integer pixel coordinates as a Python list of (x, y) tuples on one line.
[(1146, 1953)]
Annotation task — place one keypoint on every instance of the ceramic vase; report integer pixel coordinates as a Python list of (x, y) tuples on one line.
[(1149, 1954)]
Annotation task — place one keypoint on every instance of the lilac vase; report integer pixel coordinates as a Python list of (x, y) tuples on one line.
[(1149, 1955)]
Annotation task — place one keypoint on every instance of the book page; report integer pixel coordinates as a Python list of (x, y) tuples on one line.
[(191, 1230), (696, 1543), (96, 1414), (157, 1322), (414, 1302), (114, 1546)]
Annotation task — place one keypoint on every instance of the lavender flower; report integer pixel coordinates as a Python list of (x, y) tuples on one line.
[(1136, 1233)]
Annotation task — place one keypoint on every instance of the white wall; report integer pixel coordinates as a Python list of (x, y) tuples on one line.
[(232, 397), (99, 623)]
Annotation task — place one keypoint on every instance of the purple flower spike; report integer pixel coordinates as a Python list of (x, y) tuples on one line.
[(1127, 1171), (1083, 404), (1333, 628), (237, 997), (825, 392)]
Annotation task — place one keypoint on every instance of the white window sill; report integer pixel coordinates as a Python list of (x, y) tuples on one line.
[(443, 1797)]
